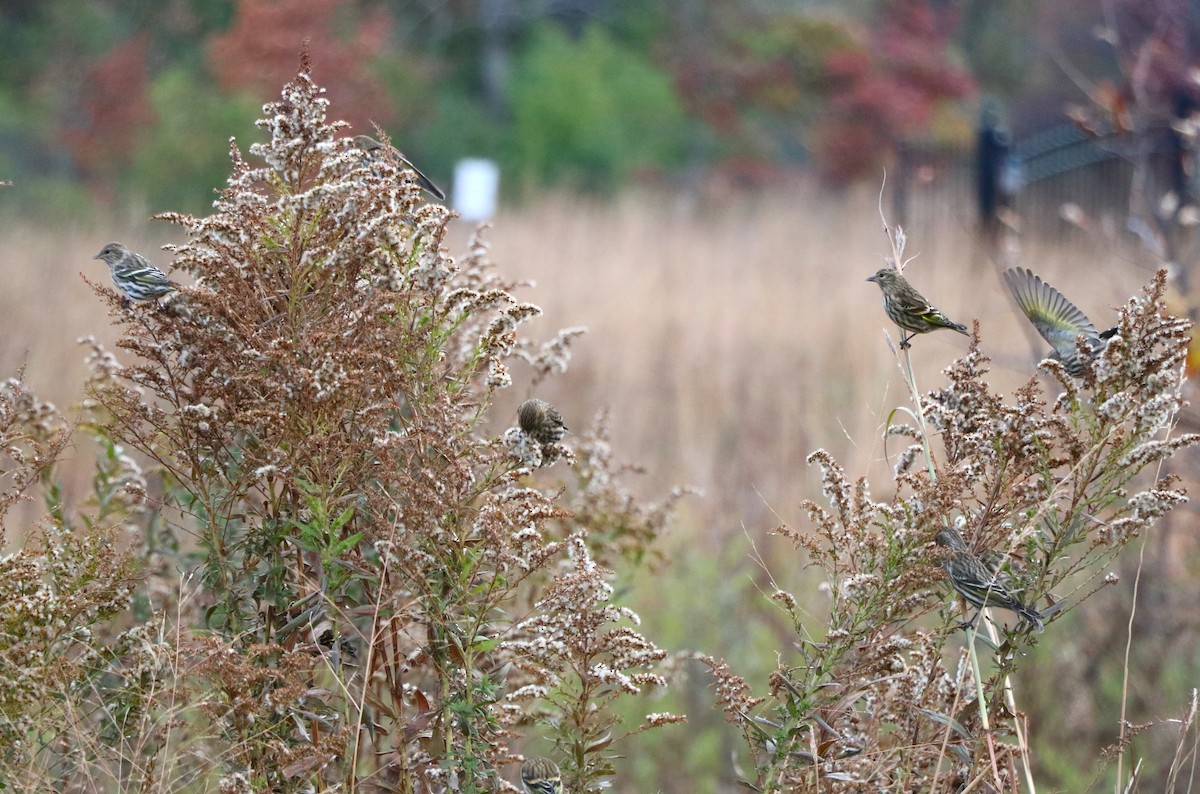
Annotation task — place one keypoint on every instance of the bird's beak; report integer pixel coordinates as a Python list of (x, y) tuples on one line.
[(870, 278), (97, 256)]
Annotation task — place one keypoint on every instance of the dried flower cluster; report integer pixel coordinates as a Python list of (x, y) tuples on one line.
[(619, 525), (60, 588), (580, 654), (357, 556), (1042, 491)]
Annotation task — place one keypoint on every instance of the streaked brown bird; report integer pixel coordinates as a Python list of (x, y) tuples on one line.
[(374, 151), (908, 309), (541, 421), (541, 776), (133, 274), (1059, 321), (978, 585)]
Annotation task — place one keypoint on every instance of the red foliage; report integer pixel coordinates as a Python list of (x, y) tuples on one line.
[(760, 77), (889, 91), (114, 107), (845, 149), (260, 49)]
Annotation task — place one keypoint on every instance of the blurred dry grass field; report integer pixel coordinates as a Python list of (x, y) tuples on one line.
[(732, 342), (47, 309), (729, 340)]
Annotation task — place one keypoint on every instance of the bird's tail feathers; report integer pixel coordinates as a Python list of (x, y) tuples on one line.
[(1032, 616)]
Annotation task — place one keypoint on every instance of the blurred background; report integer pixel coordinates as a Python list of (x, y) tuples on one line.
[(700, 185)]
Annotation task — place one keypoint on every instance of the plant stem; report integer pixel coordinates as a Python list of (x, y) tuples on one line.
[(910, 379)]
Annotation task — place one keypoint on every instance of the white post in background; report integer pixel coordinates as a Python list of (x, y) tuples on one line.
[(476, 185)]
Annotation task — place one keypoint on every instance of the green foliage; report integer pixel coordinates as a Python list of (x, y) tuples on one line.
[(321, 534), (182, 160), (28, 196), (1000, 56), (802, 42), (39, 172), (1162, 664), (783, 86), (67, 581), (15, 120), (693, 603), (590, 111), (640, 25), (457, 127)]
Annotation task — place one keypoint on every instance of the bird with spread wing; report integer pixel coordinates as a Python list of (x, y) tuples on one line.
[(1059, 321)]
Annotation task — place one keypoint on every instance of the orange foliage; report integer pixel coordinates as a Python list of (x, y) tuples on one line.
[(113, 108), (258, 53), (887, 89)]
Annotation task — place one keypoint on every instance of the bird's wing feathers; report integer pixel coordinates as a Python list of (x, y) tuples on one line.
[(913, 302), (422, 180), (374, 149), (932, 315), (1057, 319), (150, 275), (147, 274)]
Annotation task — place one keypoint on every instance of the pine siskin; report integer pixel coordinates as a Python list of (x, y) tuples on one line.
[(135, 277), (907, 309), (374, 151), (345, 645), (975, 583), (541, 776), (1059, 321), (541, 421)]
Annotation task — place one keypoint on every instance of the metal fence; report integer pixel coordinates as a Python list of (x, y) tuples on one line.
[(1056, 181)]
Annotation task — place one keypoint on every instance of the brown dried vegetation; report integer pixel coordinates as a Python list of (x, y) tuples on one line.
[(345, 584), (358, 557), (1042, 489)]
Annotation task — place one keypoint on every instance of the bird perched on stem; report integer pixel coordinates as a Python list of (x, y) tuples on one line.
[(976, 583), (541, 776), (134, 276), (907, 309), (374, 151), (1059, 321), (541, 421)]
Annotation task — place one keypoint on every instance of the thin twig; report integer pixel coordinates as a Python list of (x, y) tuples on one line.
[(1137, 577)]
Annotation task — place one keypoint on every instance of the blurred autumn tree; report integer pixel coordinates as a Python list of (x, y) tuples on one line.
[(258, 53), (750, 85), (841, 90), (904, 81), (759, 81), (592, 124), (114, 110)]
